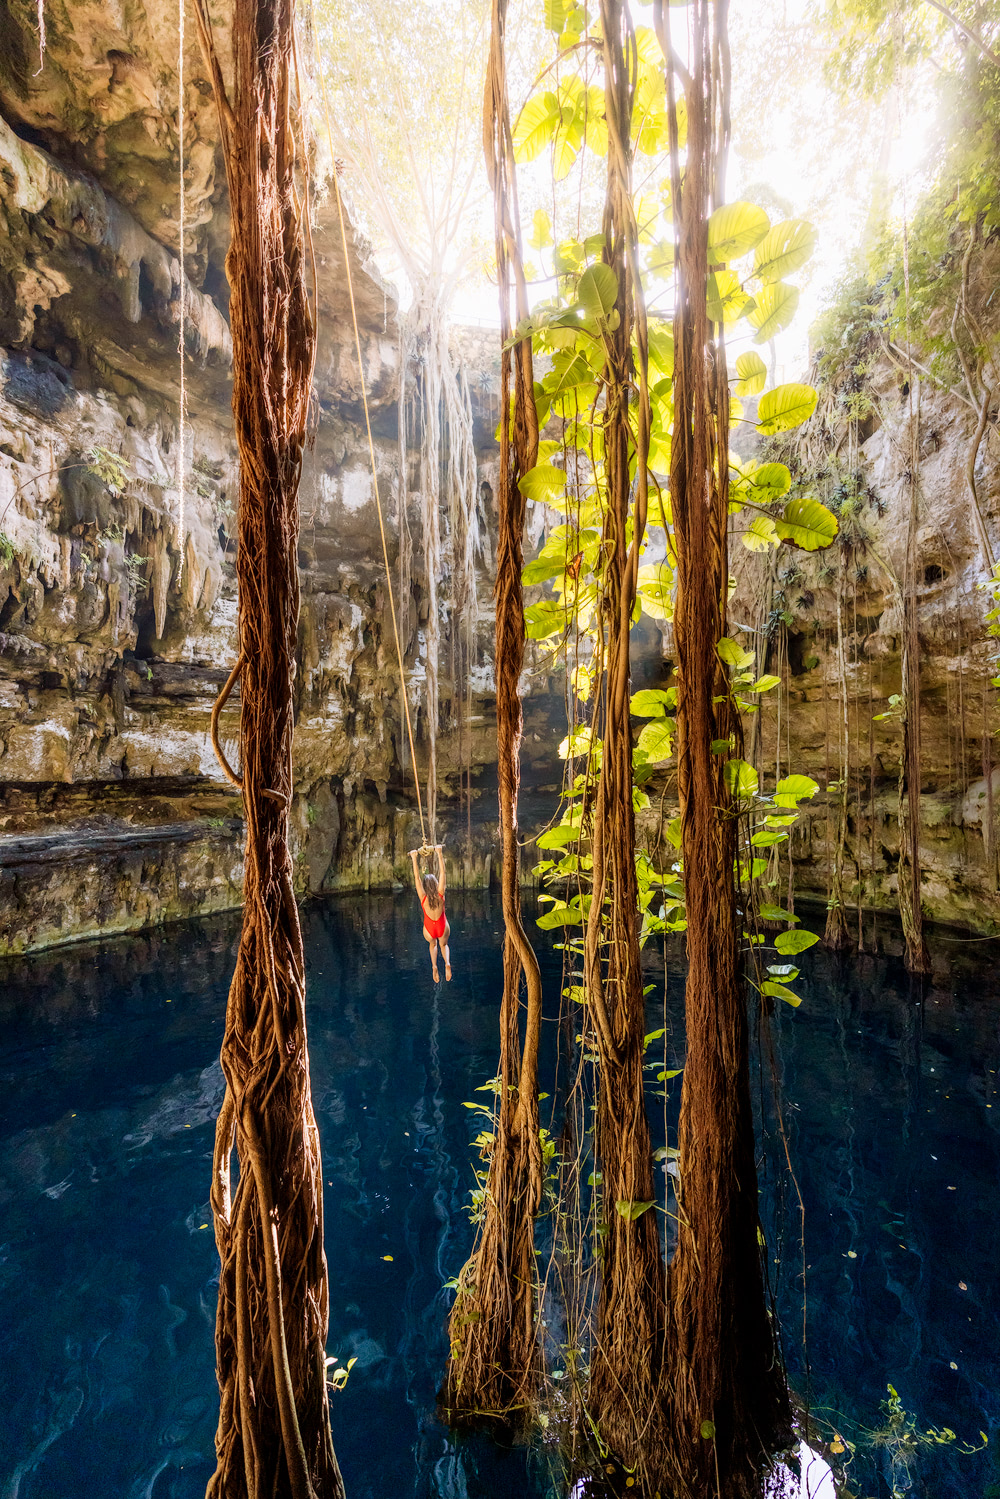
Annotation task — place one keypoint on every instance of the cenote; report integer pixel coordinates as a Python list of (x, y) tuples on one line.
[(109, 1270)]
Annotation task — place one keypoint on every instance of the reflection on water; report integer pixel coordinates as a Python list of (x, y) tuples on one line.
[(109, 1086)]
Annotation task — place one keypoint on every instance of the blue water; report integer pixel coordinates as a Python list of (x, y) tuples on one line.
[(109, 1086)]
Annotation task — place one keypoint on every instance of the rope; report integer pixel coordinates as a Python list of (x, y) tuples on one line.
[(371, 454), (182, 209)]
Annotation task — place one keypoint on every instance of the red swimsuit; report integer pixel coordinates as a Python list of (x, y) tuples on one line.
[(434, 925)]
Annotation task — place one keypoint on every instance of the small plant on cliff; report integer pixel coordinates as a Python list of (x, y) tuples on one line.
[(8, 551)]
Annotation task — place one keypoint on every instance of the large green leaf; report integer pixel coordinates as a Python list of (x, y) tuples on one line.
[(536, 126), (541, 569), (656, 590), (561, 836), (542, 482), (733, 230), (541, 230), (741, 778), (652, 702), (784, 249), (733, 653), (727, 301), (759, 535), (770, 481), (656, 741), (792, 942), (630, 1211), (557, 13), (807, 524), (785, 407), (597, 291), (775, 306), (544, 619), (793, 789), (560, 916), (778, 991), (768, 912), (752, 373), (661, 348)]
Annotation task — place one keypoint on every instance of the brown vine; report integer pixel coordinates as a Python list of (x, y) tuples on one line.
[(495, 1362), (273, 1436), (729, 1400), (626, 1367)]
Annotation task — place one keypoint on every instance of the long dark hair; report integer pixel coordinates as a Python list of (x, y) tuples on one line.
[(431, 887)]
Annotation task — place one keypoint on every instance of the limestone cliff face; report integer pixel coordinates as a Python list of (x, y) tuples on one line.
[(792, 604), (117, 593)]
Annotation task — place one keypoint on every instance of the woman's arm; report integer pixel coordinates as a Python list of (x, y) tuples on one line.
[(442, 881), (416, 875)]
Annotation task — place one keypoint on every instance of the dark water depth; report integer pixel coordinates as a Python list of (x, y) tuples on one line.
[(109, 1086)]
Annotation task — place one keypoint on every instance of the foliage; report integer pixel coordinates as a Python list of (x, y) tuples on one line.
[(571, 332)]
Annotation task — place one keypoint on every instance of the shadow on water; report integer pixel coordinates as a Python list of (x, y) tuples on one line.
[(109, 1085)]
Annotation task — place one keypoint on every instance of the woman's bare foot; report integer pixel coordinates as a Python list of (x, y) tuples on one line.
[(437, 976), (447, 972)]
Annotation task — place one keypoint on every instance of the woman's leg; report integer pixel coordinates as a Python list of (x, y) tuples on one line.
[(432, 944), (445, 953)]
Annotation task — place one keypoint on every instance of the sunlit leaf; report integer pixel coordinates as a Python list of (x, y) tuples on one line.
[(541, 230), (807, 524), (727, 301), (752, 372), (733, 653), (793, 789), (785, 407), (543, 482), (560, 916), (775, 990), (652, 702), (536, 126), (733, 230), (793, 942), (656, 740), (774, 308), (741, 778), (760, 534), (597, 291), (784, 249)]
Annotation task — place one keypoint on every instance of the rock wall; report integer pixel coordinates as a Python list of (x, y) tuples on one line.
[(117, 592), (789, 605), (118, 604)]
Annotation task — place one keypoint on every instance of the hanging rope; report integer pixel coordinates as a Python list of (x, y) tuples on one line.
[(182, 209), (371, 455)]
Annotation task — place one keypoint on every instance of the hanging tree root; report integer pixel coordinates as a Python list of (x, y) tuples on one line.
[(494, 1364), (273, 1437), (730, 1408), (625, 1395)]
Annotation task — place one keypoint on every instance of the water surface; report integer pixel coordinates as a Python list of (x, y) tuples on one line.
[(109, 1085)]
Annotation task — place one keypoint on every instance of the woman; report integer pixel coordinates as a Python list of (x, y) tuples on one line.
[(430, 892)]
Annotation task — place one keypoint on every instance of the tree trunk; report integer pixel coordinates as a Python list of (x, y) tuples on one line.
[(494, 1353), (730, 1403), (273, 1437), (625, 1395)]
